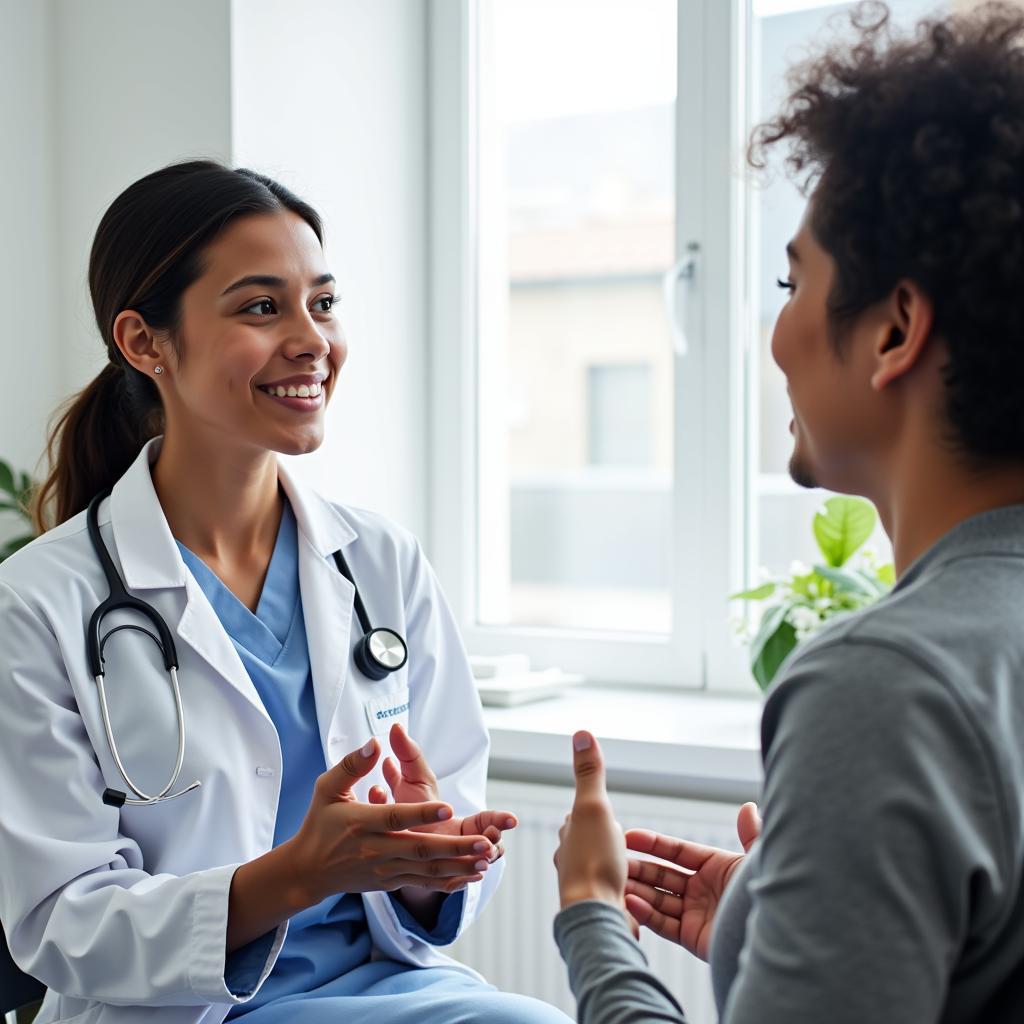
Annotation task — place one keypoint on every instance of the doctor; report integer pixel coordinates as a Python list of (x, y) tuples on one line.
[(337, 834)]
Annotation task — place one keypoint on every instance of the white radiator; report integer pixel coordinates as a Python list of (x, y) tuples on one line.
[(512, 945)]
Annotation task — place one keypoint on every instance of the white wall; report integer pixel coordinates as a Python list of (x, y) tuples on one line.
[(31, 287), (327, 95), (331, 100), (139, 84)]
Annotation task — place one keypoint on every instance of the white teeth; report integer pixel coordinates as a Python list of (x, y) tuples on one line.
[(294, 391)]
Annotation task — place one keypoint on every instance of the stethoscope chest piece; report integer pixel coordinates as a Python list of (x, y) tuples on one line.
[(380, 652)]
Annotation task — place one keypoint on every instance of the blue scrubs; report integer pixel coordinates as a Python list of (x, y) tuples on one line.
[(323, 973)]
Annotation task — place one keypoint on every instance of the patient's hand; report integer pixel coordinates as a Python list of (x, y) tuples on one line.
[(681, 905), (591, 859), (412, 781)]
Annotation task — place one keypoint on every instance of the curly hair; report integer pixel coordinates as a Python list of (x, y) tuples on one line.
[(914, 148)]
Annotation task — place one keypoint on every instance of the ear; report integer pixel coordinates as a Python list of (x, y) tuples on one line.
[(903, 335), (137, 342)]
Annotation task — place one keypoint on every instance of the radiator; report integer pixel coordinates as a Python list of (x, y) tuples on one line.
[(511, 944)]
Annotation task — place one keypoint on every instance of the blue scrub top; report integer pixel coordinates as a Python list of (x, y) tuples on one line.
[(328, 944)]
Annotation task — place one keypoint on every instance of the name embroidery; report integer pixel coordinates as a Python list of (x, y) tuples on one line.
[(398, 709)]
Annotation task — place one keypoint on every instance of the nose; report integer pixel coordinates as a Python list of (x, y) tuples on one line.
[(306, 341)]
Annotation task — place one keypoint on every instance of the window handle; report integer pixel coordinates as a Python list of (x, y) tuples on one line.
[(682, 273)]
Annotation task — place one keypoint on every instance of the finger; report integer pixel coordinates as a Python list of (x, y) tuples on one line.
[(410, 757), (424, 846), (479, 823), (452, 868), (337, 781), (634, 925), (588, 767), (661, 876), (497, 852), (447, 885), (664, 902), (748, 825), (399, 817), (691, 856), (392, 774), (647, 917), (378, 795)]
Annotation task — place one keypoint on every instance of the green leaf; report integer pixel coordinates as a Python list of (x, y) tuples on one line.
[(757, 594), (887, 574), (841, 526), (11, 546), (7, 478), (773, 653), (770, 622), (848, 582)]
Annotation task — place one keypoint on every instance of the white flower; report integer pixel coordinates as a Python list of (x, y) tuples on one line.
[(804, 620)]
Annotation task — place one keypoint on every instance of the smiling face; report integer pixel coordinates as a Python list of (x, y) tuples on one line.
[(260, 345), (841, 423)]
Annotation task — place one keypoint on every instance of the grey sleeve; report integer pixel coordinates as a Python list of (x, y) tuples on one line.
[(882, 821), (608, 972)]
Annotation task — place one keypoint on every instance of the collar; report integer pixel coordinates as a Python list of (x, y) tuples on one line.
[(999, 531), (145, 546)]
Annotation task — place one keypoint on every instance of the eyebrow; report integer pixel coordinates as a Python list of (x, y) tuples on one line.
[(792, 253), (270, 281)]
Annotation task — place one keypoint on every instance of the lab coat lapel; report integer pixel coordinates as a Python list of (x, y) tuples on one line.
[(150, 560), (327, 597)]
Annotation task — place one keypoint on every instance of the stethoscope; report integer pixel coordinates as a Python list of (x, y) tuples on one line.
[(377, 654)]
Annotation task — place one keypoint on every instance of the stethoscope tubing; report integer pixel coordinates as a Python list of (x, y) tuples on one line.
[(120, 599)]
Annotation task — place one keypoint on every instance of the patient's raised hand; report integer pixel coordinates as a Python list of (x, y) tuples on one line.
[(681, 905)]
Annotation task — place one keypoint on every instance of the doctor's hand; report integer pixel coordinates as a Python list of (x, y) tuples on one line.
[(681, 905), (344, 845), (591, 859), (412, 781)]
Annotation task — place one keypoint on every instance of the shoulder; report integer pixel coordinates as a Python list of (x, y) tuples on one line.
[(40, 572)]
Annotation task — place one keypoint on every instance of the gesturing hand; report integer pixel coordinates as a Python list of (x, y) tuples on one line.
[(681, 905), (344, 845), (412, 781), (591, 858)]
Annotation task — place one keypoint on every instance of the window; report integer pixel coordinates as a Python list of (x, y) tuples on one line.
[(610, 434)]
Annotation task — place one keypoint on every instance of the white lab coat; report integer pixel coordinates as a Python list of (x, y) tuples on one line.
[(122, 913)]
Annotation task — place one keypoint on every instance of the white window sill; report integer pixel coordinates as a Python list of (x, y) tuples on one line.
[(657, 742)]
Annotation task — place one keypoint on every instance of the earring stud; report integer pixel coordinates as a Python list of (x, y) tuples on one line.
[(158, 369)]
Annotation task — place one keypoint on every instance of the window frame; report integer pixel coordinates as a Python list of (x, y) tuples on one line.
[(711, 502)]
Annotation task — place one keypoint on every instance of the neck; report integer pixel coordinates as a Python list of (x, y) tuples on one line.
[(221, 502), (931, 490)]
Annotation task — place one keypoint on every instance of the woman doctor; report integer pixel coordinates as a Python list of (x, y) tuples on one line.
[(307, 876)]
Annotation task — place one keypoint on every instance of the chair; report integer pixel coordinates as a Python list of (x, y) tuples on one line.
[(17, 989)]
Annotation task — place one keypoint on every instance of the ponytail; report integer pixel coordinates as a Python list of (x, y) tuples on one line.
[(96, 438), (148, 249)]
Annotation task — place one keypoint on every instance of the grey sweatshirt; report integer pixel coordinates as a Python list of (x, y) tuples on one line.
[(887, 884)]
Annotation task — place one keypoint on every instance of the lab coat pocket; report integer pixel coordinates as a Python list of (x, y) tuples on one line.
[(382, 712)]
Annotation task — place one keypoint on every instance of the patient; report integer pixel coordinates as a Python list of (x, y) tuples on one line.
[(887, 884)]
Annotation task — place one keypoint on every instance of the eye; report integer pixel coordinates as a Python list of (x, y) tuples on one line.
[(786, 285), (325, 303), (261, 307)]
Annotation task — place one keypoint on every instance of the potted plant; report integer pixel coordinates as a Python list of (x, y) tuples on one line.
[(797, 606), (15, 494)]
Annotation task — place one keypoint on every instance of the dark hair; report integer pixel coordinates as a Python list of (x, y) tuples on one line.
[(914, 146), (147, 251)]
